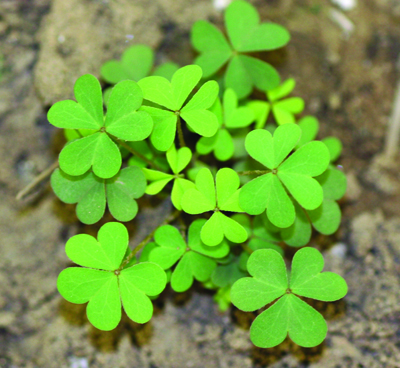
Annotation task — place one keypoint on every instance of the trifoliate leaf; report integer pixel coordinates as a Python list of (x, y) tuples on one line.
[(295, 173), (246, 35), (104, 284), (221, 195), (289, 314), (172, 95), (122, 121)]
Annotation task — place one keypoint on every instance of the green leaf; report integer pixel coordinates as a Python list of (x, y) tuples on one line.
[(334, 146), (211, 43), (77, 285), (171, 247), (178, 189), (220, 225), (135, 283), (269, 281), (97, 151), (289, 314), (202, 122), (282, 90), (263, 75), (309, 128), (183, 82), (191, 266), (234, 116), (122, 120), (158, 180), (203, 198), (221, 143), (326, 218), (178, 159), (333, 182), (158, 90), (204, 98), (261, 111), (308, 281), (122, 190), (238, 78), (226, 274), (87, 190), (135, 64), (164, 131), (106, 253), (86, 113), (271, 327), (245, 32), (299, 233)]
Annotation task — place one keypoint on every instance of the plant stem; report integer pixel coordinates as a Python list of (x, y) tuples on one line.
[(168, 220), (43, 175), (252, 172), (393, 132), (180, 132), (134, 152)]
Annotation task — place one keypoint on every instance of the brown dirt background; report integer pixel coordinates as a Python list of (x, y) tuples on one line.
[(348, 82)]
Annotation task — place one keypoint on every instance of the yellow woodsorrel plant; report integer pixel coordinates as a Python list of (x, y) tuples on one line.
[(158, 124)]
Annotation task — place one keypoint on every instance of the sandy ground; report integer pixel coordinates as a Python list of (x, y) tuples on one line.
[(348, 82)]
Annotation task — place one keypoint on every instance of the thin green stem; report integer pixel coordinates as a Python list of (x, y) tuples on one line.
[(253, 172), (134, 152), (180, 132), (79, 133), (168, 220)]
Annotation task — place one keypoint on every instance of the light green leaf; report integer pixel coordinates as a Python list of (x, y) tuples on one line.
[(307, 280), (96, 150), (254, 195), (282, 90), (164, 131), (166, 70), (333, 182), (299, 233), (204, 97), (261, 111), (202, 122), (104, 308), (122, 120), (178, 189), (135, 283), (178, 160), (158, 90), (78, 285), (106, 253), (269, 281), (245, 32), (183, 82)]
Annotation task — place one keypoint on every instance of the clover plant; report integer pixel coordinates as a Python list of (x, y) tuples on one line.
[(230, 228)]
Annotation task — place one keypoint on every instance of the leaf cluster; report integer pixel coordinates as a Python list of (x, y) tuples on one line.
[(243, 189)]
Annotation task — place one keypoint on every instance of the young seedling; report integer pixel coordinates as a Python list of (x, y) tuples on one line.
[(229, 117), (282, 110), (221, 195), (92, 193), (246, 35), (99, 150), (172, 96), (195, 259), (177, 160), (103, 283), (295, 173), (289, 315)]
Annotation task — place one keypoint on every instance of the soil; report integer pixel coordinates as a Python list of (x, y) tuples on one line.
[(348, 82)]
